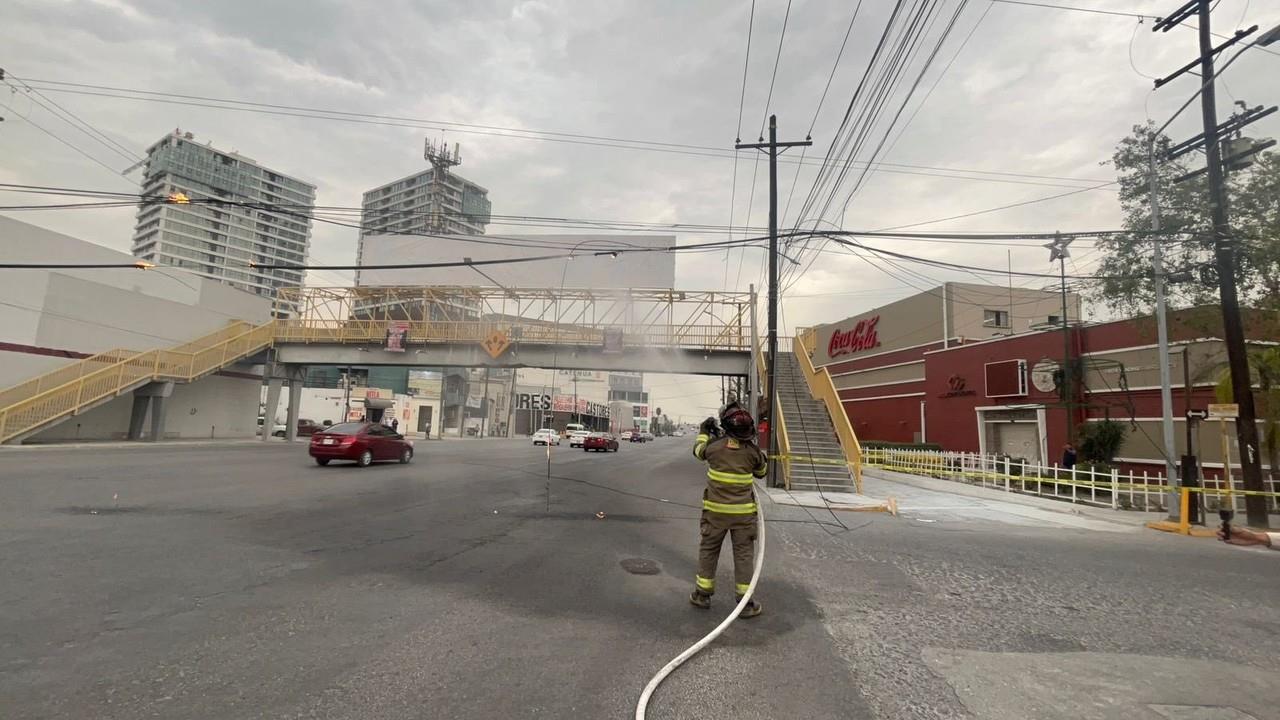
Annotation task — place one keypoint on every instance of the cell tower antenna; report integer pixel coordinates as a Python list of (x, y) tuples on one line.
[(441, 158)]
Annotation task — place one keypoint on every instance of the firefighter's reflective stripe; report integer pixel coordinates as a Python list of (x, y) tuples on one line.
[(730, 509), (740, 588), (705, 584), (700, 446), (731, 478), (762, 470)]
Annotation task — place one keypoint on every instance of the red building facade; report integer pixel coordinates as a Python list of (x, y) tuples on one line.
[(1004, 394)]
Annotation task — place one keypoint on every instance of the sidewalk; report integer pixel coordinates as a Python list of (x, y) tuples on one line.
[(849, 502), (933, 499), (137, 444)]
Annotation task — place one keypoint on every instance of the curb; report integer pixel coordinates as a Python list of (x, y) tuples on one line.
[(1178, 529)]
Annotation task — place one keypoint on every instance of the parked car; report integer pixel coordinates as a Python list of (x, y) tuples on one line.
[(305, 427), (576, 437), (600, 441), (546, 436), (277, 429), (363, 443), (648, 436), (626, 435)]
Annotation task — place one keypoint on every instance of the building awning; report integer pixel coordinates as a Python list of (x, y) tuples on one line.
[(379, 403)]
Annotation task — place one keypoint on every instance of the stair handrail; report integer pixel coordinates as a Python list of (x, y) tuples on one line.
[(208, 353), (822, 387)]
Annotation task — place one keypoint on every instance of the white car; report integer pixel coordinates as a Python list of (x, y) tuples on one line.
[(576, 437), (546, 436)]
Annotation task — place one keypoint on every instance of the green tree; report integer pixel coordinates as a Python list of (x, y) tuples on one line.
[(1264, 369), (1100, 441), (1254, 201)]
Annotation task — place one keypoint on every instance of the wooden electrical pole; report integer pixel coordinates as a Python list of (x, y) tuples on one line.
[(773, 148)]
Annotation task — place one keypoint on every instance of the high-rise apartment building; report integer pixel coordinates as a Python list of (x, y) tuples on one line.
[(264, 216), (434, 202)]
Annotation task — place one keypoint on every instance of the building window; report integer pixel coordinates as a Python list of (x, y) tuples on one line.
[(995, 318)]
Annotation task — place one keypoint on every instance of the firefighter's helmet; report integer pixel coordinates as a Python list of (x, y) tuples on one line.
[(737, 422)]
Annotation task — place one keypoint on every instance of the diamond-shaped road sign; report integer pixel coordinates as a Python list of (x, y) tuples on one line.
[(495, 343)]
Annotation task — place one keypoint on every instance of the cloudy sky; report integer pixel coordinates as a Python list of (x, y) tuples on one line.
[(1039, 92)]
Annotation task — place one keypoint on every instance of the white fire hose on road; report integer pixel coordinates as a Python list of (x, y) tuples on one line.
[(677, 661)]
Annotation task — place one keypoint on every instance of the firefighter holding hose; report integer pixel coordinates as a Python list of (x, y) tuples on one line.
[(728, 502)]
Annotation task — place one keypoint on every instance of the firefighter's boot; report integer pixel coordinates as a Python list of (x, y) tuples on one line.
[(751, 610), (700, 599)]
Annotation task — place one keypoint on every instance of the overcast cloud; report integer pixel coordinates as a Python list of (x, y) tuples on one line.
[(1034, 91)]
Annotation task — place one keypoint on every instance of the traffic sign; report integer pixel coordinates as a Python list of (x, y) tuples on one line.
[(1224, 410), (1197, 414)]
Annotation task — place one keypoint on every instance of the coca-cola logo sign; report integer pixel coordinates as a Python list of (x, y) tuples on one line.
[(862, 337)]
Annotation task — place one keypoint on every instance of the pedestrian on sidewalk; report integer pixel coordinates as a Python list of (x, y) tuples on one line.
[(734, 461), (395, 425), (1068, 456)]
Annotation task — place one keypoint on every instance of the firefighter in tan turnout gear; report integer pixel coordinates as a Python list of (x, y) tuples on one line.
[(728, 502)]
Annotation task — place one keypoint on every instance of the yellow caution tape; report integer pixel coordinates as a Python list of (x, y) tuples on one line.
[(812, 460)]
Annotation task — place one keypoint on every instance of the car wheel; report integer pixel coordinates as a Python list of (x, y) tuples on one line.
[(322, 461), (406, 456), (278, 433), (365, 459)]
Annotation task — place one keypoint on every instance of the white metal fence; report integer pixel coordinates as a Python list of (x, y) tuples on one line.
[(1103, 488)]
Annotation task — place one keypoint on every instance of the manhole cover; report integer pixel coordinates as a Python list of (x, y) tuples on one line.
[(640, 566)]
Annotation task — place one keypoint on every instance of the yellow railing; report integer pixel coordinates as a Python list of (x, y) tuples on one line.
[(70, 389), (709, 336), (821, 386), (62, 375)]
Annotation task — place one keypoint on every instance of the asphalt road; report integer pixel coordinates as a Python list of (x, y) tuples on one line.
[(242, 581)]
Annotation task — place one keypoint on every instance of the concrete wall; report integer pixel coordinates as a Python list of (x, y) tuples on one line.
[(968, 303), (49, 318), (215, 407), (88, 311)]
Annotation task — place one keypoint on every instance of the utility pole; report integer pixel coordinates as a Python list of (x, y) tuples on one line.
[(1233, 327), (774, 148), (1058, 251), (1162, 341), (1224, 244)]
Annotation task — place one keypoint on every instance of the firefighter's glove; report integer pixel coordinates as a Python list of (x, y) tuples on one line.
[(709, 427)]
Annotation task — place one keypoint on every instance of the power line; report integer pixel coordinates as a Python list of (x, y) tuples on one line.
[(76, 121), (1077, 9), (544, 135), (818, 111), (53, 135), (782, 36), (742, 99), (1187, 25)]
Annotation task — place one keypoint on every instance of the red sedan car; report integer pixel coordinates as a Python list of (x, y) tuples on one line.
[(362, 442), (600, 441)]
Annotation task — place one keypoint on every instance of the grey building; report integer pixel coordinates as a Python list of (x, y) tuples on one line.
[(266, 221), (430, 202)]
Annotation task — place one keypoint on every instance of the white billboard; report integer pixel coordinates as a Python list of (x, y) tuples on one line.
[(591, 266)]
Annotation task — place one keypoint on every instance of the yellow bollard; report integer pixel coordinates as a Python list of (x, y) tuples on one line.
[(1184, 512)]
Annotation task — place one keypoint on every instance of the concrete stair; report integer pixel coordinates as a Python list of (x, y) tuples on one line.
[(810, 432)]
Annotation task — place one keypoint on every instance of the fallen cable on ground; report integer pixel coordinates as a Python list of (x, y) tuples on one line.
[(643, 705)]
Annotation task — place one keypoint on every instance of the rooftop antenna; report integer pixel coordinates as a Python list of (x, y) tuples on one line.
[(441, 158)]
